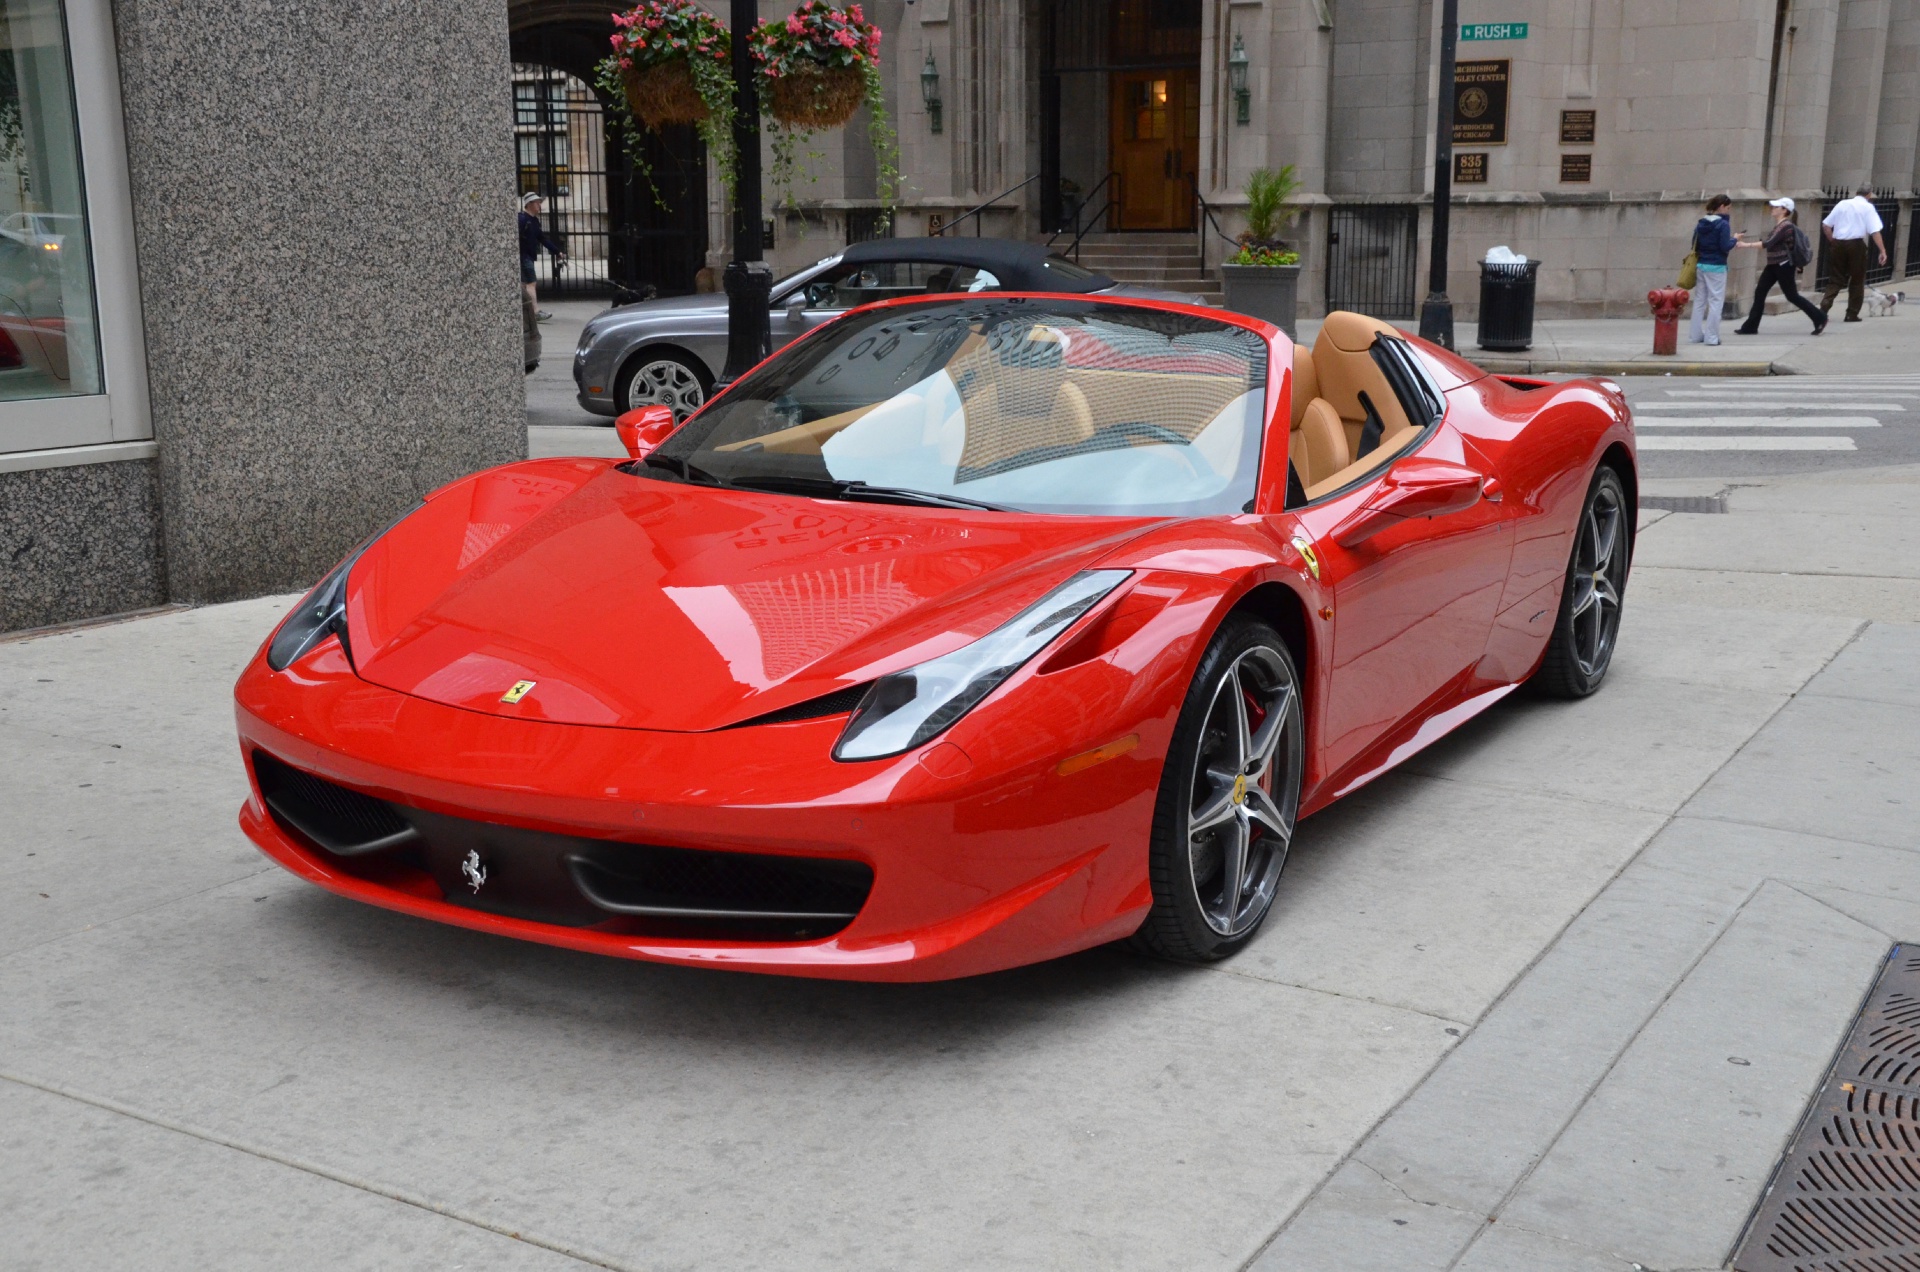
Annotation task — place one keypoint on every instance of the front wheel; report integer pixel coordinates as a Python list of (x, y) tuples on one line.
[(1581, 647), (661, 379), (1228, 798)]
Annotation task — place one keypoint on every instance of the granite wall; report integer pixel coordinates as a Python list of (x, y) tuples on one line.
[(78, 543), (323, 203)]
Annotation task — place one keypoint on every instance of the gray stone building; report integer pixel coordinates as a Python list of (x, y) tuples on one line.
[(1589, 135)]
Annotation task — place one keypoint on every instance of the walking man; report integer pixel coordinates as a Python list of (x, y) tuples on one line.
[(1848, 227), (532, 239)]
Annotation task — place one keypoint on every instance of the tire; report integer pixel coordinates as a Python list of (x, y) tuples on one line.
[(1581, 647), (654, 377), (1195, 918)]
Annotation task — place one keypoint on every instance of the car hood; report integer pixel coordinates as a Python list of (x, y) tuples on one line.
[(638, 603), (642, 311)]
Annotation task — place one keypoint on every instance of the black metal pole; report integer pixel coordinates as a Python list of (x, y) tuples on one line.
[(1436, 312), (749, 281)]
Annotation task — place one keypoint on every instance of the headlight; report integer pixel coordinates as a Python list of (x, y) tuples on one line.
[(323, 611), (910, 707)]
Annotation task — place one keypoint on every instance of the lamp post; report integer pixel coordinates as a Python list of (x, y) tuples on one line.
[(1436, 312), (930, 91), (1237, 63), (749, 280)]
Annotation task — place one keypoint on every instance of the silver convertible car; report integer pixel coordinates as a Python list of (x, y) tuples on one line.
[(668, 352)]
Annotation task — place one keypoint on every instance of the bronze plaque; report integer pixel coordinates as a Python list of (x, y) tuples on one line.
[(1575, 169), (1480, 102), (1470, 167), (1576, 127)]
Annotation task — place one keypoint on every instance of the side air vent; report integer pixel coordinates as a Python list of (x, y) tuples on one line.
[(685, 884), (344, 822), (839, 702)]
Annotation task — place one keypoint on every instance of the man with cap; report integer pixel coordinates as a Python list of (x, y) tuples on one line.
[(1848, 227), (1781, 245), (532, 239)]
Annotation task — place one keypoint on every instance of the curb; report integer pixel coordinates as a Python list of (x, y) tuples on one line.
[(1578, 366)]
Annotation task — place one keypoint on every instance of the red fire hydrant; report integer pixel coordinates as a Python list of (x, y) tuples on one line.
[(1667, 302)]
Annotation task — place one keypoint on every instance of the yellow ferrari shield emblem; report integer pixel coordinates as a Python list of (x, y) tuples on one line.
[(521, 688), (1307, 554), (1240, 789)]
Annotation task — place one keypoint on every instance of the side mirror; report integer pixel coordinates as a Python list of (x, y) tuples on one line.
[(1412, 488), (644, 428), (797, 307)]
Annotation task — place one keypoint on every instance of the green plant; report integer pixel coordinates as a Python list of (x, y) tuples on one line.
[(658, 32), (1250, 254), (814, 40), (1268, 190)]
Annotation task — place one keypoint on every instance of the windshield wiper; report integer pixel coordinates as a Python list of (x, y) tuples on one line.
[(689, 472), (837, 488)]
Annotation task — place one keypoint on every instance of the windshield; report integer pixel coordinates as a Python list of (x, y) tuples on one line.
[(1044, 406)]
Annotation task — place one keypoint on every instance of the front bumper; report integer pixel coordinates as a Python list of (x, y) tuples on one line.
[(588, 369), (981, 858)]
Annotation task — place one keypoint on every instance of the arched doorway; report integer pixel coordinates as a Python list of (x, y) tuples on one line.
[(619, 235)]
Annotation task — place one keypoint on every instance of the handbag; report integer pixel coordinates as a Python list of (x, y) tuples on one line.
[(1690, 265)]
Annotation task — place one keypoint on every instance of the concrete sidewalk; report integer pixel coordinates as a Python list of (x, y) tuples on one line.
[(1503, 984), (1624, 346)]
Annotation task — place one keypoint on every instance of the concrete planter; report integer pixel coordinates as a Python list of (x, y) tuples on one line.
[(1263, 291)]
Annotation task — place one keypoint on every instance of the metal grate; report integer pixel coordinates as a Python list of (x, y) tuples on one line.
[(561, 140), (1846, 1197), (1372, 254), (1684, 503)]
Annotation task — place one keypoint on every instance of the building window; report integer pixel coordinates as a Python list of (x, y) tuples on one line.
[(49, 333)]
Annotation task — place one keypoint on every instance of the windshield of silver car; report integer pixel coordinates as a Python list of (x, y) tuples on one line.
[(1039, 405)]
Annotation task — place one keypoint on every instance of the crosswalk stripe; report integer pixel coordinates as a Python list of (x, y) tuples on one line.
[(1759, 421), (1660, 442), (1750, 403)]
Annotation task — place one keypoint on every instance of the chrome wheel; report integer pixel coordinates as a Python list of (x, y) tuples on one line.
[(1245, 791), (665, 382), (1599, 560)]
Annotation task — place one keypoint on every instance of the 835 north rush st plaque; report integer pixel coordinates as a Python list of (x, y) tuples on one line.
[(1480, 102)]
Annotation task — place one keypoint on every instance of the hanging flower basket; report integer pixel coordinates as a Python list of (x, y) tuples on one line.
[(664, 94), (816, 97)]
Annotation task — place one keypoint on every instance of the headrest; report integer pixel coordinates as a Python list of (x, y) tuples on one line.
[(1306, 382), (1350, 332)]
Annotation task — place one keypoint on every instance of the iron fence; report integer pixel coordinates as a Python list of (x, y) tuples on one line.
[(1372, 258), (561, 138)]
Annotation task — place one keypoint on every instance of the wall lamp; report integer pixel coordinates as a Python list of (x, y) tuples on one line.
[(930, 91), (1237, 63)]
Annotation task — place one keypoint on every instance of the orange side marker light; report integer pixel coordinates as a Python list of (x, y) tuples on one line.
[(1099, 755)]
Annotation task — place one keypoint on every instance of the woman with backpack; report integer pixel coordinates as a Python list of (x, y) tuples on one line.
[(1788, 252)]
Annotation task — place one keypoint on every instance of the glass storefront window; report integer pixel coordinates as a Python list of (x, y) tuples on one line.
[(49, 343)]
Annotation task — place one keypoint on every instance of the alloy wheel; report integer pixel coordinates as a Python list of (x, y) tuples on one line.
[(666, 382), (1598, 561), (1238, 830)]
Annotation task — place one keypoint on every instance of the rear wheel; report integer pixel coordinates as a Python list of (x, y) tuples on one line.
[(1581, 647), (1228, 797), (657, 378)]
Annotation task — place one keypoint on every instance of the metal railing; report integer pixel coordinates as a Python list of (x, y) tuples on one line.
[(1207, 219), (1082, 228), (983, 207)]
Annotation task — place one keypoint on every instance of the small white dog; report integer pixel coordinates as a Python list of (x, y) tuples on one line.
[(1880, 304)]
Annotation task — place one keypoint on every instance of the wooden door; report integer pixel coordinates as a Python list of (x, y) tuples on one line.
[(1156, 143)]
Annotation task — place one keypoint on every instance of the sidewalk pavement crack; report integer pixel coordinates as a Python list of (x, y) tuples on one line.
[(390, 1192), (1375, 1171), (1222, 970), (145, 909)]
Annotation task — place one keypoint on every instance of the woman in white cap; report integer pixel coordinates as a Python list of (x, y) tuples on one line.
[(1788, 252)]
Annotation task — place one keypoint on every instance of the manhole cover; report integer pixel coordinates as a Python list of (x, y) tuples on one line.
[(1846, 1196)]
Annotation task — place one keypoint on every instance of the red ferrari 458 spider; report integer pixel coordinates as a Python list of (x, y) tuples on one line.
[(965, 632)]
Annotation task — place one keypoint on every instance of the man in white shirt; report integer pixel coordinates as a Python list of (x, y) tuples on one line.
[(1848, 227)]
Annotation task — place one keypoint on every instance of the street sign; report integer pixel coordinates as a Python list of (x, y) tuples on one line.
[(1493, 30)]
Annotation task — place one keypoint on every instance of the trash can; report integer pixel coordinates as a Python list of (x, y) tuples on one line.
[(1506, 305)]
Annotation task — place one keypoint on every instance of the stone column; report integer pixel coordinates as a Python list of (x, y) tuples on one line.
[(324, 201), (1853, 113)]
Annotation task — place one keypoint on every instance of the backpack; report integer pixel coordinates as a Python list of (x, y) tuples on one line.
[(1799, 250)]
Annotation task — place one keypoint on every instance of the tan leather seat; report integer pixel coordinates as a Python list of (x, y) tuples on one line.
[(1345, 369), (1011, 417), (1318, 445), (1306, 382)]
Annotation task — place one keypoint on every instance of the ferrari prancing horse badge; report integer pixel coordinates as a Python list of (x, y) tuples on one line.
[(471, 869), (521, 688)]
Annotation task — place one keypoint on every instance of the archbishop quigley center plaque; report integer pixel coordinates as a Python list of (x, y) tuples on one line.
[(1480, 102)]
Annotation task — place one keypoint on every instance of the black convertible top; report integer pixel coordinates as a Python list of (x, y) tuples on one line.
[(1019, 266)]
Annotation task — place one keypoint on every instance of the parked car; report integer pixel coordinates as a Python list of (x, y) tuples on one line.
[(668, 352), (44, 230)]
